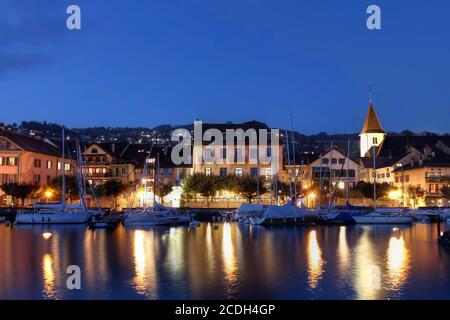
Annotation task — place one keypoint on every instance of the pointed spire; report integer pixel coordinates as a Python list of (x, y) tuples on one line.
[(372, 124)]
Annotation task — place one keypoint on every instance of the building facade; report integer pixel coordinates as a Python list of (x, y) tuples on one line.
[(25, 159)]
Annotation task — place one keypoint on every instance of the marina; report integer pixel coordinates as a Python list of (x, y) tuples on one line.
[(224, 260)]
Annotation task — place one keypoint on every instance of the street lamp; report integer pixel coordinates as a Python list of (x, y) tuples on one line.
[(399, 165), (48, 195)]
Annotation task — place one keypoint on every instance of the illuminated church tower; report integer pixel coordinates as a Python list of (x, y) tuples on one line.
[(372, 133)]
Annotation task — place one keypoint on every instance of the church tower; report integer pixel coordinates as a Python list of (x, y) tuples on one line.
[(372, 133)]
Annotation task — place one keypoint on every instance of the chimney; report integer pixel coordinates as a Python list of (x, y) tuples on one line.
[(113, 148)]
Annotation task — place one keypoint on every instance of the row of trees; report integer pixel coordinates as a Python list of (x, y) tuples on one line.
[(24, 191), (207, 186), (110, 189)]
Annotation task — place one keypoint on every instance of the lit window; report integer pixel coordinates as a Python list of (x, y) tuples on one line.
[(238, 172), (268, 173), (67, 166), (208, 171), (12, 161), (49, 164)]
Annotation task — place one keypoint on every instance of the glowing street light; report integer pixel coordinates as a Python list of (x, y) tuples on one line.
[(48, 195)]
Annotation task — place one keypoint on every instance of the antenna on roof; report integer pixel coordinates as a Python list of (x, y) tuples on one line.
[(371, 91)]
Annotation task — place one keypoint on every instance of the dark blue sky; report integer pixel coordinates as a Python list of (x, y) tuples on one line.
[(144, 63)]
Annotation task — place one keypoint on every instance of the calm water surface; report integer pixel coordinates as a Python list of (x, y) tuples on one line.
[(235, 261)]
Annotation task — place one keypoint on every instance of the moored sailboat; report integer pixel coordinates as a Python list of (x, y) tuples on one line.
[(59, 212)]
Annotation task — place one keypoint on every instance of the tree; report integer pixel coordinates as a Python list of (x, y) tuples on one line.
[(71, 186), (247, 186), (163, 190), (366, 189), (415, 192), (446, 191), (111, 188), (19, 190)]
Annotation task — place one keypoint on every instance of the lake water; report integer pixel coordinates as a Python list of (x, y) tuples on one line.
[(234, 261)]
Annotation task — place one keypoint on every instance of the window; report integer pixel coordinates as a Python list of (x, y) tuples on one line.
[(12, 161), (375, 140), (324, 160), (388, 175), (67, 167), (238, 172), (254, 172), (37, 163), (334, 161), (341, 160), (1, 161), (239, 156), (383, 175), (223, 172), (268, 173), (396, 179), (36, 179), (208, 171), (48, 180), (269, 152), (407, 178), (209, 154), (94, 150), (254, 154), (351, 173), (224, 153), (59, 165), (3, 145), (49, 164)]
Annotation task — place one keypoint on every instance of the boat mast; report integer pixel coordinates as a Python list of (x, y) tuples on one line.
[(257, 174), (289, 165), (374, 179), (293, 158), (347, 173), (63, 169), (320, 183), (154, 172), (330, 184)]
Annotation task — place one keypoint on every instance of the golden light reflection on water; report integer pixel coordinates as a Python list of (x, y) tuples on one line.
[(367, 275), (315, 262), (175, 252), (229, 257), (343, 251), (397, 263), (49, 277), (144, 280)]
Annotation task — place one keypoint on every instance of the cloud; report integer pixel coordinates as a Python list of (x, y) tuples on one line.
[(28, 31), (21, 62)]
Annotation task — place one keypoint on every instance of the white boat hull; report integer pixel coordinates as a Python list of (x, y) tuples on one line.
[(52, 218)]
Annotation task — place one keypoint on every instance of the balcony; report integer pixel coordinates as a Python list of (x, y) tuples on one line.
[(432, 178)]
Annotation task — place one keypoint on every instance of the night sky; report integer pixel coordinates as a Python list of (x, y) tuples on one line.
[(150, 62)]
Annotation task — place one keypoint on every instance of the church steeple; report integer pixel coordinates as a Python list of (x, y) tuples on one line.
[(372, 124), (372, 133)]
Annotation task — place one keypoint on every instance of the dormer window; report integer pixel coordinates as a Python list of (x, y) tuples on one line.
[(95, 150)]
